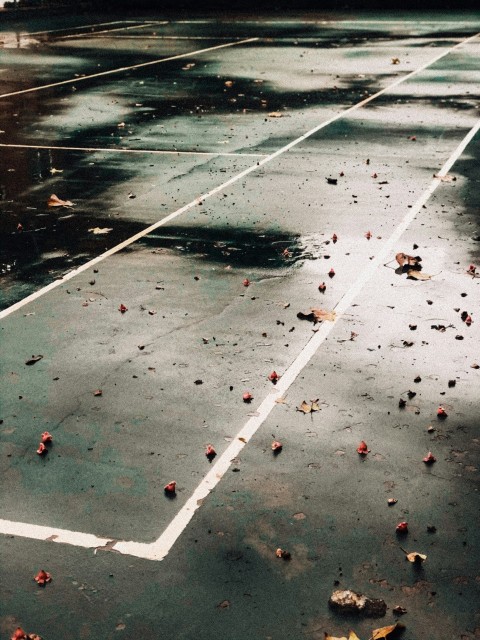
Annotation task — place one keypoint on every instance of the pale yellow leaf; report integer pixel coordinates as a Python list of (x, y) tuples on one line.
[(329, 637), (305, 407), (446, 178), (275, 114), (414, 556), (418, 275), (321, 314), (99, 231), (378, 634)]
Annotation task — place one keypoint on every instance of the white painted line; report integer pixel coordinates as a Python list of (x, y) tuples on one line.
[(160, 548), (221, 187), (94, 33), (37, 532), (146, 151), (85, 26), (130, 68)]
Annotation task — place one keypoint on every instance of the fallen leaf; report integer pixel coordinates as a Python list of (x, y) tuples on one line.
[(309, 408), (281, 400), (317, 315), (392, 501), (98, 392), (395, 60), (398, 610), (416, 557), (383, 632), (418, 275), (46, 437), (351, 636), (33, 360), (97, 231), (53, 171), (224, 604), (54, 201), (275, 114), (446, 178), (282, 553), (403, 258)]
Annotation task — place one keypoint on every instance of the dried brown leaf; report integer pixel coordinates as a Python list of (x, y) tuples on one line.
[(100, 230), (309, 408), (414, 556), (275, 114), (403, 258), (54, 201), (383, 632), (33, 359), (446, 178)]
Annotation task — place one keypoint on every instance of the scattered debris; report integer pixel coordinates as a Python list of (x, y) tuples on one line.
[(317, 315), (276, 446), (350, 602), (362, 448), (395, 60), (331, 180), (170, 488), (210, 452), (42, 578), (55, 201), (309, 408)]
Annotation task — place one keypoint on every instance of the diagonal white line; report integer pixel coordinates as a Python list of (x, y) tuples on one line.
[(158, 549), (232, 180), (95, 33), (141, 65), (173, 152)]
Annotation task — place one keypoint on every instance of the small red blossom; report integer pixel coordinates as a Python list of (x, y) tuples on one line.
[(468, 320), (331, 273), (472, 269), (42, 578), (334, 238), (413, 138), (402, 527), (247, 396), (46, 437), (42, 449), (170, 487), (368, 235), (210, 452), (276, 446), (274, 377), (122, 308), (322, 287), (19, 228), (362, 448), (341, 174), (374, 175), (246, 282), (441, 413), (429, 458), (286, 253), (19, 634)]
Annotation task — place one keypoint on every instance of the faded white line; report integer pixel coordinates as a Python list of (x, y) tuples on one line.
[(141, 65), (221, 187), (95, 33), (158, 549), (173, 152)]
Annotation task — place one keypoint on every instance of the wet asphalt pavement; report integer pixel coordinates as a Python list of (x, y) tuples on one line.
[(173, 368)]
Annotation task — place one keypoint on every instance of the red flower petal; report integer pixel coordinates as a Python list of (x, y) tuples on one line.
[(468, 320), (19, 634), (42, 449), (122, 308), (274, 377), (441, 413), (368, 235), (42, 577), (334, 238), (246, 282), (362, 448), (170, 487), (276, 446), (322, 287), (472, 269), (247, 396), (210, 451), (429, 458), (46, 437), (331, 273), (402, 527)]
